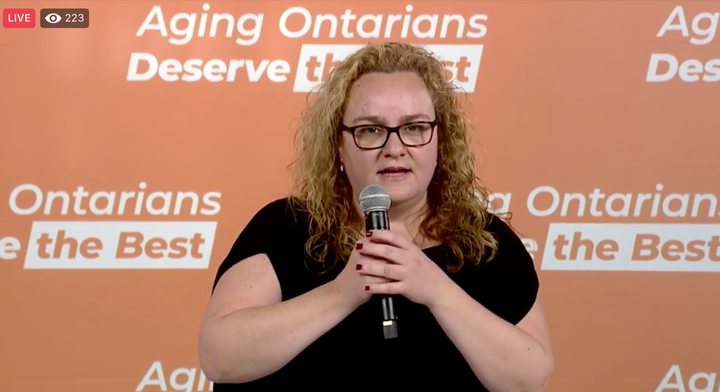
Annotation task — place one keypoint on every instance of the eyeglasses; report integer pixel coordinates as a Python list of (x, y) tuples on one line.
[(371, 137)]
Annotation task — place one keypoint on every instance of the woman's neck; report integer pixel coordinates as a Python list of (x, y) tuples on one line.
[(406, 218), (408, 214)]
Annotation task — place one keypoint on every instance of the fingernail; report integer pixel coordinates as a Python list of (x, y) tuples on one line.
[(358, 267), (358, 246), (367, 288), (369, 234)]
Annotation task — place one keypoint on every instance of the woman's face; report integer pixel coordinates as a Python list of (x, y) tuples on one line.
[(390, 100)]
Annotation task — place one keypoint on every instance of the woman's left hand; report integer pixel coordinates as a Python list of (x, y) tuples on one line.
[(412, 274)]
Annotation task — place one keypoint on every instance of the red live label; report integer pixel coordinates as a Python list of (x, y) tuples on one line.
[(22, 18)]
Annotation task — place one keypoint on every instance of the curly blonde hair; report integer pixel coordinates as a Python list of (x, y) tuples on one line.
[(457, 203)]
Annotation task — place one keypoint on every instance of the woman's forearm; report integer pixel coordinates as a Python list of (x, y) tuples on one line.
[(254, 342), (503, 357)]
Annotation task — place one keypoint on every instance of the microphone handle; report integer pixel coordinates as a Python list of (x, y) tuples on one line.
[(378, 220)]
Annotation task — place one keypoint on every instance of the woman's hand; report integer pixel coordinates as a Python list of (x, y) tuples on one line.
[(404, 266), (350, 284)]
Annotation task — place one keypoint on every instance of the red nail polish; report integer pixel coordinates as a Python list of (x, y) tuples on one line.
[(358, 267), (369, 234), (367, 288), (358, 246)]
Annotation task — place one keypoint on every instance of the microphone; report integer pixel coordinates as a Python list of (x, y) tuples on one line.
[(375, 202)]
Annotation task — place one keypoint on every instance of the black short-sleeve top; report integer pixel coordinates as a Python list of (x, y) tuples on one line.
[(354, 356)]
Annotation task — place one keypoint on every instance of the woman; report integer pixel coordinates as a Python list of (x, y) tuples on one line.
[(293, 303)]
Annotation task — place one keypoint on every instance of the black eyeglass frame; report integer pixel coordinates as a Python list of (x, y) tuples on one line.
[(390, 130)]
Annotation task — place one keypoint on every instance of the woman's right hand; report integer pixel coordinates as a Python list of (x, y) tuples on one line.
[(352, 284)]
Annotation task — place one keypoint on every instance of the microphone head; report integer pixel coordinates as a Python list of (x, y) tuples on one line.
[(374, 198)]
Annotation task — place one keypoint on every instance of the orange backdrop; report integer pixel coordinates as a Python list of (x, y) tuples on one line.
[(128, 169)]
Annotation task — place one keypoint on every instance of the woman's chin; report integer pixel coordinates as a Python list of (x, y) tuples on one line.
[(402, 195)]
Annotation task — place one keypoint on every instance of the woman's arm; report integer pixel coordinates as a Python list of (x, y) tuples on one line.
[(249, 333), (504, 357)]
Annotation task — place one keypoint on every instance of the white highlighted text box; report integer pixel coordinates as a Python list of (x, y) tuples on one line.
[(120, 245), (462, 63), (632, 247)]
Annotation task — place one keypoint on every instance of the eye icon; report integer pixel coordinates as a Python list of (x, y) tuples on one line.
[(53, 18)]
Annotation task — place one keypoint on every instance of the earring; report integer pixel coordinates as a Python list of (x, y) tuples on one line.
[(342, 167)]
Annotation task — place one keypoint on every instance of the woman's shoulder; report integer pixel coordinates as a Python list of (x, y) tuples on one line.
[(278, 220), (509, 281), (507, 241), (500, 227), (276, 226), (286, 210)]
